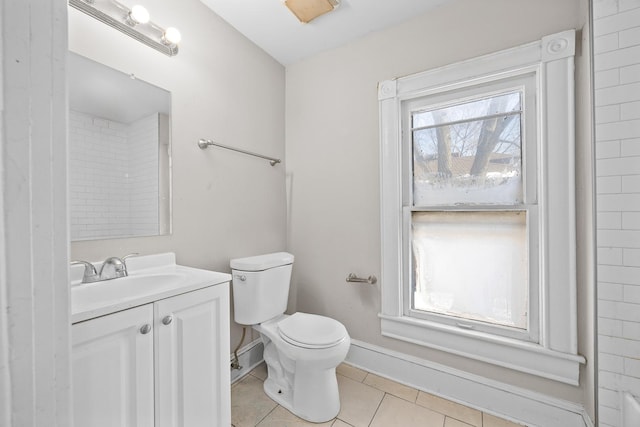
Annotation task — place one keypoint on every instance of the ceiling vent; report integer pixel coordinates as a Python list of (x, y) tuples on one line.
[(307, 10)]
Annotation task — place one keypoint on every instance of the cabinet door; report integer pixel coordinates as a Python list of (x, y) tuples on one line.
[(192, 359), (112, 362)]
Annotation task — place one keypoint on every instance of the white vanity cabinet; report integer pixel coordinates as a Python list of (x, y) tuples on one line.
[(162, 364), (112, 365)]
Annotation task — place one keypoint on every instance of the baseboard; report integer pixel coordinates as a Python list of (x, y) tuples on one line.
[(503, 400), (249, 357)]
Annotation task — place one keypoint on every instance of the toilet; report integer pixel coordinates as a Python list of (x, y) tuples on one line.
[(301, 350)]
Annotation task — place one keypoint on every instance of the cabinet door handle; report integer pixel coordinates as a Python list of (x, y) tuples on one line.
[(145, 329), (167, 319)]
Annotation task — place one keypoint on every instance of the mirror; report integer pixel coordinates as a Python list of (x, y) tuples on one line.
[(119, 153)]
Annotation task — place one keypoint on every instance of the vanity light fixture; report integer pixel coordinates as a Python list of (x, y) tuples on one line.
[(134, 22), (171, 36), (137, 15)]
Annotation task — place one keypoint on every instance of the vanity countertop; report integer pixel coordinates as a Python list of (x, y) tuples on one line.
[(151, 278)]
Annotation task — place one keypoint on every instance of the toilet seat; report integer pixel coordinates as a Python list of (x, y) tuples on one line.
[(311, 331)]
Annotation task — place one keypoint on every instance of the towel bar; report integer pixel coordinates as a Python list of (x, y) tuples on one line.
[(372, 280), (204, 143)]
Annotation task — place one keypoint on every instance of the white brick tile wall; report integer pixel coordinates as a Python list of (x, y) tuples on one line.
[(610, 327), (616, 381), (610, 256), (618, 94), (610, 399), (628, 165), (631, 257), (630, 183), (618, 311), (609, 184), (617, 98), (631, 220), (618, 58), (608, 150), (620, 130), (630, 111), (628, 74), (619, 346), (144, 179), (630, 37), (611, 292), (606, 43), (632, 367), (607, 78), (630, 147), (608, 221), (620, 274), (631, 293), (620, 21), (631, 330), (608, 113), (628, 4), (605, 8), (102, 167), (627, 202)]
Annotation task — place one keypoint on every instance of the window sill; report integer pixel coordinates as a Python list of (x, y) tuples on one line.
[(513, 354)]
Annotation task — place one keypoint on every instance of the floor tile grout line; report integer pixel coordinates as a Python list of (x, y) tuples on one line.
[(414, 401), (377, 408), (268, 413)]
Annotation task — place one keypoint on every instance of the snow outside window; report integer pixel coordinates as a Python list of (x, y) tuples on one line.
[(469, 229)]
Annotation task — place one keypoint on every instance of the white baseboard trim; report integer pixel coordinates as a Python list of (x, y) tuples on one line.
[(503, 400), (249, 357)]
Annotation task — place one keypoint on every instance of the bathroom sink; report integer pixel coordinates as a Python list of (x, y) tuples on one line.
[(91, 294), (151, 278)]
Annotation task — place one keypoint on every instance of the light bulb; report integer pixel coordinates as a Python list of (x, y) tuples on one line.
[(138, 15), (171, 36)]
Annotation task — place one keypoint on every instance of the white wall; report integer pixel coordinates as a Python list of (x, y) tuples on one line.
[(34, 297), (332, 161), (617, 100), (223, 87)]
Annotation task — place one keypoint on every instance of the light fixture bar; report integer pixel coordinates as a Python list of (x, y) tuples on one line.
[(135, 32)]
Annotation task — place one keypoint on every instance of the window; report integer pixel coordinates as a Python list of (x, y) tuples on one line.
[(470, 207), (477, 209)]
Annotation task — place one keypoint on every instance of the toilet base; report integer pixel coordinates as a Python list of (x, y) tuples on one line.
[(302, 380), (316, 397)]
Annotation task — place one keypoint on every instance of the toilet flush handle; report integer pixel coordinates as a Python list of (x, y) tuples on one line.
[(240, 277)]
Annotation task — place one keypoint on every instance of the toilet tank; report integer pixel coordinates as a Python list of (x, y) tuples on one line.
[(260, 287)]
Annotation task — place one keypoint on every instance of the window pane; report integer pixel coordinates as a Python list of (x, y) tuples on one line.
[(471, 265), (469, 153)]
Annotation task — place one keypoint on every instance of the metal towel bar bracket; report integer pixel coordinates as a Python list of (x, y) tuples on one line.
[(355, 279), (204, 143)]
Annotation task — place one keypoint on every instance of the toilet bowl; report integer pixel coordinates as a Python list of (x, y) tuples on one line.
[(301, 369), (301, 350)]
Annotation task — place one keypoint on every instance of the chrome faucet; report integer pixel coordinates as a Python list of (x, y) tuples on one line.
[(90, 274), (114, 267)]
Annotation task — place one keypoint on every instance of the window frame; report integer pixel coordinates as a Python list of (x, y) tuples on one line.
[(550, 351), (523, 81)]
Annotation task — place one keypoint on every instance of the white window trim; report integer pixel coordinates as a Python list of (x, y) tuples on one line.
[(522, 79), (555, 355)]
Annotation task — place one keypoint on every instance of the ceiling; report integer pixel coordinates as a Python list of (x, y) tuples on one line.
[(272, 26)]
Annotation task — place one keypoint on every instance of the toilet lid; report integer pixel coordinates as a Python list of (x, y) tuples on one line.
[(311, 331)]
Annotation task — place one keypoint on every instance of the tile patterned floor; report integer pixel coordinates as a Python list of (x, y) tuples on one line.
[(366, 400)]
